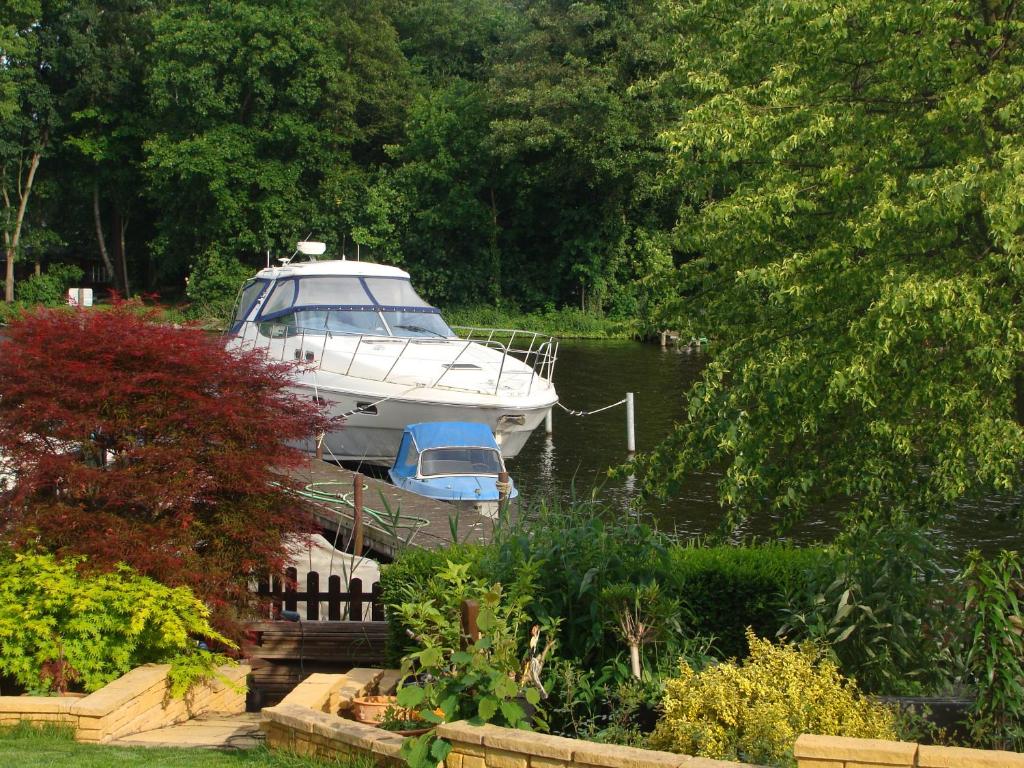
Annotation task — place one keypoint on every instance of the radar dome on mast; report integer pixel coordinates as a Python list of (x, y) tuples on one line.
[(311, 248)]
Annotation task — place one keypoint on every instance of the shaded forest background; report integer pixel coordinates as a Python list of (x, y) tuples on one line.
[(506, 152)]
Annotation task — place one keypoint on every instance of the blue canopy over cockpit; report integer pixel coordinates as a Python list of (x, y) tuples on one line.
[(447, 448)]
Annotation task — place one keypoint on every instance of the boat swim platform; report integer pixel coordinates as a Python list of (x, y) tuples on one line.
[(393, 519)]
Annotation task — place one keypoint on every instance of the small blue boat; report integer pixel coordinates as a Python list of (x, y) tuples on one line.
[(453, 461)]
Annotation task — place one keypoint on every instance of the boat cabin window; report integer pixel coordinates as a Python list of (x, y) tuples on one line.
[(394, 292), (427, 324), (282, 298), (369, 305), (251, 291), (406, 461), (320, 321), (460, 461), (328, 290)]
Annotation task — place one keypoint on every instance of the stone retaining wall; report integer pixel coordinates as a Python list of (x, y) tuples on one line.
[(135, 702), (306, 722), (839, 752)]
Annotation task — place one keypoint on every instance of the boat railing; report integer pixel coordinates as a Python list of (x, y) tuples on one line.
[(285, 341)]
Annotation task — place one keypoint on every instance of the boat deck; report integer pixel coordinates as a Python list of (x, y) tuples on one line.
[(393, 519)]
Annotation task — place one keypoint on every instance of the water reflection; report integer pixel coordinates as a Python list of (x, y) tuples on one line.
[(576, 458)]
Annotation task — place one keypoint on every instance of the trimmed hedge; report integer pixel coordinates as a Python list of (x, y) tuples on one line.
[(412, 573), (725, 589), (729, 588)]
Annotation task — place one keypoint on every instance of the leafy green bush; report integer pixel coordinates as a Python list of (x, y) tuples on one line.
[(566, 323), (582, 552), (882, 606), (413, 577), (50, 287), (476, 678), (578, 551), (214, 283), (995, 648), (754, 710), (727, 589), (60, 628)]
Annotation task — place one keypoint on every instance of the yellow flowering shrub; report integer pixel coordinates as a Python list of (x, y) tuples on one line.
[(754, 711)]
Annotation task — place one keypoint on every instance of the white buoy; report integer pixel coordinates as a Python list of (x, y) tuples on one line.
[(630, 424), (548, 421)]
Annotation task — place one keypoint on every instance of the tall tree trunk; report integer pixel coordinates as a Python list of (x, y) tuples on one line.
[(495, 255), (119, 257), (13, 239), (100, 237)]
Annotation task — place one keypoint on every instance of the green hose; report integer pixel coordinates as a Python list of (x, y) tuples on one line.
[(386, 521)]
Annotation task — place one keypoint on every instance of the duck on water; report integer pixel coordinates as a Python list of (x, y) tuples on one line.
[(383, 358)]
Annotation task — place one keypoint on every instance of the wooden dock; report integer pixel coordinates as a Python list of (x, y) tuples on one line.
[(393, 519)]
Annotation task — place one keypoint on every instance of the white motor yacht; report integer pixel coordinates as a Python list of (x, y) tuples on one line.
[(379, 355)]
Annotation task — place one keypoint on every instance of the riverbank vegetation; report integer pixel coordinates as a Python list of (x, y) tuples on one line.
[(657, 642)]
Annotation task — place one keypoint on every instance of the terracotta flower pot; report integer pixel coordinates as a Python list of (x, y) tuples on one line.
[(371, 709)]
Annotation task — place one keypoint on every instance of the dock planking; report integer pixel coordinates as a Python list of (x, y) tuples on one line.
[(388, 522)]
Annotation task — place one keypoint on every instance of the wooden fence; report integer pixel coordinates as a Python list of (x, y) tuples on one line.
[(283, 653), (351, 604)]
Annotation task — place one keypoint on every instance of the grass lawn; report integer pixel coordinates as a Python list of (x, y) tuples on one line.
[(27, 747)]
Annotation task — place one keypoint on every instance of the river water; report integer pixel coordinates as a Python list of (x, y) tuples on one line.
[(576, 457)]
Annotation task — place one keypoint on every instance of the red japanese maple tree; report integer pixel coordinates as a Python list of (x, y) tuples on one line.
[(141, 443)]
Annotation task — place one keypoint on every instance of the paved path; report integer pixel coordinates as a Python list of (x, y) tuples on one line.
[(210, 731)]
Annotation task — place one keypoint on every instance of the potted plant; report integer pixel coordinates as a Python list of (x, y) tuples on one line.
[(371, 710)]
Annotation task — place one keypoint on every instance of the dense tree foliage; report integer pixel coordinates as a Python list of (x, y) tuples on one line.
[(854, 178), (497, 149), (132, 442)]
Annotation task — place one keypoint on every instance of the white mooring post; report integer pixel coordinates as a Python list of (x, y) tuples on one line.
[(630, 424), (548, 426)]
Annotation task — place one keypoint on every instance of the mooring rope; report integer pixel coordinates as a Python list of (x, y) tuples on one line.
[(589, 413)]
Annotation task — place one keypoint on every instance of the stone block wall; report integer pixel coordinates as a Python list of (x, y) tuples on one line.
[(307, 722), (491, 746), (135, 702), (839, 752)]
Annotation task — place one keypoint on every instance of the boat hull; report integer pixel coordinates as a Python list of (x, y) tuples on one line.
[(374, 436)]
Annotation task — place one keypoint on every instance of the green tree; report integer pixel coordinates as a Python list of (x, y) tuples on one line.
[(855, 176), (261, 110), (26, 122), (98, 47)]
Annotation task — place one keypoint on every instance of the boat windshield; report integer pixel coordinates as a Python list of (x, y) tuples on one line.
[(460, 461), (404, 323), (383, 306)]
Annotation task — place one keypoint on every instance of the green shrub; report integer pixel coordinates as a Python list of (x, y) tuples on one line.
[(995, 648), (578, 551), (50, 287), (413, 577), (729, 588), (566, 323), (755, 710), (581, 550), (883, 607), (460, 677), (60, 628), (214, 284)]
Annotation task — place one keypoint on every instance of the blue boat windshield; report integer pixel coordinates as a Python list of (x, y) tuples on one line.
[(460, 461)]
